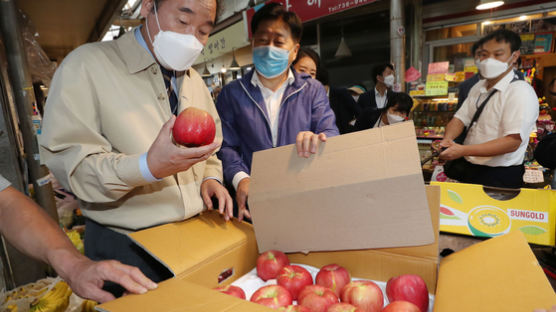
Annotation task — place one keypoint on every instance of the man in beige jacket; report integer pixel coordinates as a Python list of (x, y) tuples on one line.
[(107, 131)]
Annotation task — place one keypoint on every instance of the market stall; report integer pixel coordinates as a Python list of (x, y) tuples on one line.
[(449, 62)]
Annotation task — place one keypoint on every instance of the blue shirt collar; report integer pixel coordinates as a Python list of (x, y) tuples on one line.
[(141, 40)]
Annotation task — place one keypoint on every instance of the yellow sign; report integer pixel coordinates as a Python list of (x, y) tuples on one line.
[(417, 92), (471, 69), (460, 76), (450, 77), (434, 88), (435, 77)]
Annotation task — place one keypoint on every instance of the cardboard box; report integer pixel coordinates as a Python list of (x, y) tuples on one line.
[(468, 209), (483, 275)]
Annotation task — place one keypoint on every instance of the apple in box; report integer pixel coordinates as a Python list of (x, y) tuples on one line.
[(317, 298), (408, 287), (269, 263), (232, 290), (272, 296), (334, 277), (294, 278), (294, 308), (365, 295), (401, 306), (194, 127), (343, 307)]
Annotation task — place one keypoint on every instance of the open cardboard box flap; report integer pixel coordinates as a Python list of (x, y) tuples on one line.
[(361, 190)]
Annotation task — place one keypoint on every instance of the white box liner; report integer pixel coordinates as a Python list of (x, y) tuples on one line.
[(250, 282)]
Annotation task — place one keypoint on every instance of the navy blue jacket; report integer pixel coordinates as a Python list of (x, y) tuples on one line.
[(246, 126)]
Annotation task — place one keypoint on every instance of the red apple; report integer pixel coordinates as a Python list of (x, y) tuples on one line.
[(194, 127), (294, 308), (317, 298), (294, 278), (334, 277), (232, 290), (270, 263), (408, 287), (365, 295), (272, 296), (343, 307), (401, 306)]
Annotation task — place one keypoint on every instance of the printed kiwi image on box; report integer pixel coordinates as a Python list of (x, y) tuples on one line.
[(477, 211)]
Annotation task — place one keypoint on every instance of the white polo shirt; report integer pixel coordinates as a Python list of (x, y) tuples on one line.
[(512, 110)]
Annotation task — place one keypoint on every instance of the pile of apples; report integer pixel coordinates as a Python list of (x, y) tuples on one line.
[(332, 291)]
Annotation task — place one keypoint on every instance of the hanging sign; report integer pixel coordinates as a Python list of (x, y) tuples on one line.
[(308, 10)]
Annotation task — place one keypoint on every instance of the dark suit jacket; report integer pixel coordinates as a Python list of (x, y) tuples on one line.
[(367, 118), (368, 99), (344, 107)]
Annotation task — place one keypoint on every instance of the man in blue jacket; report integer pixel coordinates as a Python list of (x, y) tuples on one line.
[(272, 105)]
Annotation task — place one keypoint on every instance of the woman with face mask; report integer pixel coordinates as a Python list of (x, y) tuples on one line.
[(496, 119), (397, 110), (272, 105)]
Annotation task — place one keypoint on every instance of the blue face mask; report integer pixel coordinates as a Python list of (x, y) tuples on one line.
[(270, 61)]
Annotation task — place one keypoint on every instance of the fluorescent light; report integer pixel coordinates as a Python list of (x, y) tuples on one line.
[(488, 4), (487, 22), (522, 17)]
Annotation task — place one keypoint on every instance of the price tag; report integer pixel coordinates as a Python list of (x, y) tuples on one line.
[(434, 88), (533, 176)]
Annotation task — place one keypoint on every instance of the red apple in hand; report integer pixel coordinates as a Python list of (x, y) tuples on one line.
[(194, 127), (232, 290), (294, 278), (316, 298), (365, 295), (408, 287), (343, 307), (294, 308), (334, 277), (270, 263), (272, 296), (401, 306)]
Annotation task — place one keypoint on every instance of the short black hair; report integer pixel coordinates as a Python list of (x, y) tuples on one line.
[(474, 48), (275, 11), (379, 69), (402, 100), (503, 35), (307, 52)]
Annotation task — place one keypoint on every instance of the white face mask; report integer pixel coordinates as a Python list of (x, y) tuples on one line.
[(174, 50), (392, 119), (492, 68), (389, 81)]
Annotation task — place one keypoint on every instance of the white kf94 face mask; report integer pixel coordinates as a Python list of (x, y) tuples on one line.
[(492, 68), (174, 50), (393, 119)]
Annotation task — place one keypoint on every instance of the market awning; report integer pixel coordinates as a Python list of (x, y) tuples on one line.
[(63, 25)]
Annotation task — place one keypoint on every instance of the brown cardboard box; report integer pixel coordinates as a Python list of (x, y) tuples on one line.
[(500, 274)]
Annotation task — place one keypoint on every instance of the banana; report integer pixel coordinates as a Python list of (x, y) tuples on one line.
[(55, 300), (88, 306)]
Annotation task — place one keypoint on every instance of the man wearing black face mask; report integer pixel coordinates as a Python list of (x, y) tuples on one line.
[(499, 114), (108, 124)]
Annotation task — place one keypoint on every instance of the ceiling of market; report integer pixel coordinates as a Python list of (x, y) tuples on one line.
[(63, 25)]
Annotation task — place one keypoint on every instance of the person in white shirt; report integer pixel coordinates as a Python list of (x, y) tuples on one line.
[(494, 147)]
